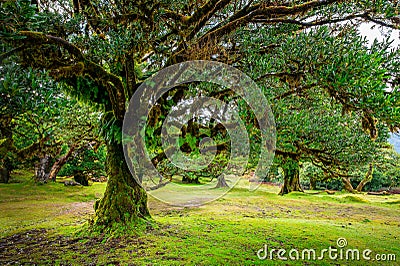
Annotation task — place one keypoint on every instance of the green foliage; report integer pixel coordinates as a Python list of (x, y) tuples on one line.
[(26, 90), (320, 96), (89, 161), (386, 172), (25, 15), (329, 89), (37, 114), (385, 180), (311, 173), (191, 140), (110, 128), (213, 169), (96, 95)]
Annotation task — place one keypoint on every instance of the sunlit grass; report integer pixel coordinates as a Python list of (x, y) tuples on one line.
[(228, 231)]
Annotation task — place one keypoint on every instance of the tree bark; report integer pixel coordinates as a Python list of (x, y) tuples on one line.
[(221, 182), (59, 163), (124, 201), (291, 170), (347, 185), (42, 169), (4, 175), (367, 178), (313, 183), (81, 178), (189, 180), (7, 146)]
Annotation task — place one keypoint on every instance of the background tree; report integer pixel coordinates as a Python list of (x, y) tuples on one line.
[(41, 124), (86, 163), (103, 51), (23, 93), (320, 117), (383, 176)]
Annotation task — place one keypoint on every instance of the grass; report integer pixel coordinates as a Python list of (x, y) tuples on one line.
[(38, 225), (25, 205)]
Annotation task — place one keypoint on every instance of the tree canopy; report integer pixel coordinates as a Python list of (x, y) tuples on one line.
[(330, 91)]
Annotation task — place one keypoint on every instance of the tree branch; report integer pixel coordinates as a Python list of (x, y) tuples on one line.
[(306, 24), (200, 18), (262, 11), (376, 21), (206, 11), (246, 16), (112, 83), (41, 38)]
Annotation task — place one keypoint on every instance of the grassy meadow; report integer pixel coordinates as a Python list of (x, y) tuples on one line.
[(46, 224)]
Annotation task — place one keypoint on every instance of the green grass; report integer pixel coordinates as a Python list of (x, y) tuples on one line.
[(40, 221), (25, 205)]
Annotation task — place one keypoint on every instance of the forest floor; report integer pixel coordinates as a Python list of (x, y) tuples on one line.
[(39, 225)]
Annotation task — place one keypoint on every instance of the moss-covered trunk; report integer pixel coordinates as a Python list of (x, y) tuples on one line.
[(4, 175), (291, 170), (59, 163), (221, 182), (347, 185), (42, 169), (313, 183), (6, 148), (125, 201), (367, 178)]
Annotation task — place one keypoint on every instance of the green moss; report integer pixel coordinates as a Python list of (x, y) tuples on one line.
[(298, 194), (26, 205), (228, 231), (351, 198), (393, 202)]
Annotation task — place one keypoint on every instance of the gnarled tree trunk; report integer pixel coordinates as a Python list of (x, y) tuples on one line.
[(4, 175), (347, 185), (81, 178), (313, 183), (367, 178), (291, 170), (6, 146), (221, 182), (42, 169), (59, 163), (124, 201)]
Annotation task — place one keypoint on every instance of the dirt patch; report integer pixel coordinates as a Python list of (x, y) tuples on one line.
[(41, 247), (38, 247), (78, 209), (160, 208)]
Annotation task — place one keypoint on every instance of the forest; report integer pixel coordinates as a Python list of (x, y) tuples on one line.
[(200, 132)]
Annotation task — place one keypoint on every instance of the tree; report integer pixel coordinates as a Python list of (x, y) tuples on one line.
[(322, 117), (103, 51), (86, 162), (39, 121), (23, 94)]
